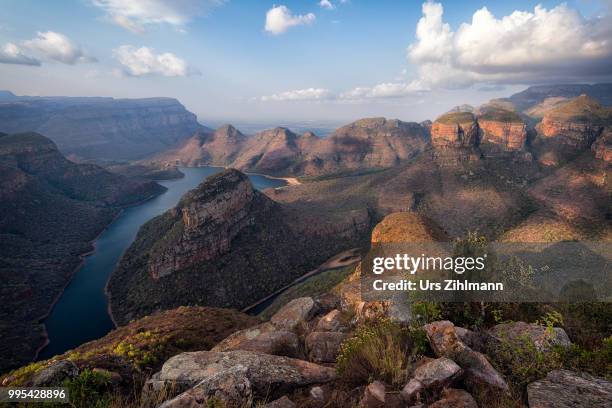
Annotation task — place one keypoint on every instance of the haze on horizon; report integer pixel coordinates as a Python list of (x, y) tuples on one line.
[(331, 60)]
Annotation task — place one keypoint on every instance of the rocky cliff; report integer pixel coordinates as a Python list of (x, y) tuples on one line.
[(96, 127), (454, 130), (602, 148), (502, 130), (50, 211), (226, 245), (207, 220), (570, 128)]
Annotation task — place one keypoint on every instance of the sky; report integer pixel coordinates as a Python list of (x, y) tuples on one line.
[(329, 60)]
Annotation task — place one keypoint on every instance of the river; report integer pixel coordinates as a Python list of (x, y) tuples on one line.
[(81, 315)]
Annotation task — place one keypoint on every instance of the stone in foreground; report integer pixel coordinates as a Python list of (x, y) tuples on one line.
[(567, 389), (478, 370), (453, 398), (263, 339), (267, 375), (294, 313)]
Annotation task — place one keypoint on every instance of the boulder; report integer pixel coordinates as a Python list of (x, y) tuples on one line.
[(332, 322), (230, 386), (478, 370), (269, 376), (294, 313), (323, 347), (283, 402), (317, 394), (55, 373), (453, 398), (373, 396), (431, 376), (264, 338), (542, 337), (568, 389)]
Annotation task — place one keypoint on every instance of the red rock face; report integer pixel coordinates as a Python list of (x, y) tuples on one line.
[(507, 136), (602, 148), (209, 223), (454, 135), (574, 134)]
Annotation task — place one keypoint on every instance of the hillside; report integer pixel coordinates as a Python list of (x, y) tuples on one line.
[(50, 211), (95, 127), (536, 95), (226, 245), (364, 144)]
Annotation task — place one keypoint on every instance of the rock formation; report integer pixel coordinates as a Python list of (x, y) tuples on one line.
[(571, 128), (502, 129), (602, 148), (95, 127), (225, 245), (364, 144)]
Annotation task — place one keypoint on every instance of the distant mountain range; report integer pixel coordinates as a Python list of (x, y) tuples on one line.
[(100, 128)]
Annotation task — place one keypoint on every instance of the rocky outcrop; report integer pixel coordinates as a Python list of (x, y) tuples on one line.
[(453, 398), (210, 218), (516, 333), (54, 374), (567, 389), (602, 148), (226, 245), (431, 376), (324, 347), (454, 130), (571, 128), (507, 135), (94, 127), (248, 374), (478, 370)]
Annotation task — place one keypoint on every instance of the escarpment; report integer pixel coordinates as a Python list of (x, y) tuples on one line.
[(226, 245), (94, 127), (571, 128)]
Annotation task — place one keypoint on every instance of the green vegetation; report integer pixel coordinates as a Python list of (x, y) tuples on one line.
[(582, 109), (455, 117), (381, 350), (315, 286), (501, 115)]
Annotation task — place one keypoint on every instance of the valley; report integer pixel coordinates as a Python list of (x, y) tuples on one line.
[(256, 232)]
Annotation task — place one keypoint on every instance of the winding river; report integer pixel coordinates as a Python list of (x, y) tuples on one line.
[(81, 315)]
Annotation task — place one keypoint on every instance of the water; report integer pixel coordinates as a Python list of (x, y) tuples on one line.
[(81, 313)]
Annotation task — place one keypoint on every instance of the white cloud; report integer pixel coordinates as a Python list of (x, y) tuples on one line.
[(144, 61), (12, 54), (551, 44), (134, 15), (384, 90), (58, 47), (279, 19), (308, 94), (326, 4)]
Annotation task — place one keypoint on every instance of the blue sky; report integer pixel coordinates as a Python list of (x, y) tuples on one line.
[(301, 60)]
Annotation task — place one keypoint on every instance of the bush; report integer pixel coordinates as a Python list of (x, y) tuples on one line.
[(380, 350), (521, 362), (89, 389)]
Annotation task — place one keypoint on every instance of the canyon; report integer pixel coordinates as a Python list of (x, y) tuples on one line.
[(496, 169)]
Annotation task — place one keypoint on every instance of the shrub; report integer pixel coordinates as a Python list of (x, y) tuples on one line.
[(89, 389), (521, 362), (380, 350)]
